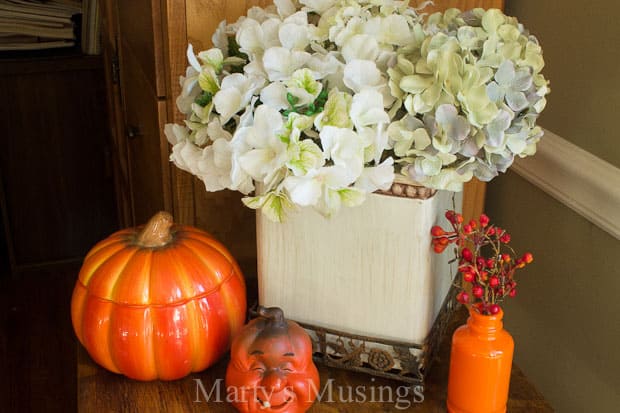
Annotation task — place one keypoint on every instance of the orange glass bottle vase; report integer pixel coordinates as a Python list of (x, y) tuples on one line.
[(480, 365)]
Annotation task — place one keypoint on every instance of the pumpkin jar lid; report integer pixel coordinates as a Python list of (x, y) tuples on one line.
[(158, 264)]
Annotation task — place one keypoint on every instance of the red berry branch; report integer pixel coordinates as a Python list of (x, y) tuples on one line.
[(486, 261)]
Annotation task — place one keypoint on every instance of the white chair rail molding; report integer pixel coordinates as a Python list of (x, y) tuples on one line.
[(580, 180)]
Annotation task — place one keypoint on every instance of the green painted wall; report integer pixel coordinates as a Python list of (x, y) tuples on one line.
[(566, 317), (581, 42)]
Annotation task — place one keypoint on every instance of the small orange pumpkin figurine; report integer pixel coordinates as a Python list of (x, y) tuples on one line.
[(158, 302), (271, 368)]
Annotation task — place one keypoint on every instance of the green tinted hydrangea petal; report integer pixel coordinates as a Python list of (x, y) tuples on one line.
[(274, 205), (213, 57), (336, 111), (405, 65), (516, 101), (352, 196), (505, 73), (539, 106), (492, 20), (468, 37), (430, 166), (425, 101), (509, 33), (495, 92), (208, 81), (481, 109), (522, 80), (422, 67), (307, 156), (416, 83), (421, 140)]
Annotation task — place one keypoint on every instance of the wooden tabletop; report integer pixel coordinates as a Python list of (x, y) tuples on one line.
[(100, 391)]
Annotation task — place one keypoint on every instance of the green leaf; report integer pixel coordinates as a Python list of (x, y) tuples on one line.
[(292, 100), (204, 99), (233, 49)]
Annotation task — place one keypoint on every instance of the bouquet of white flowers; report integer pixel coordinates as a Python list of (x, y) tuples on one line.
[(320, 102)]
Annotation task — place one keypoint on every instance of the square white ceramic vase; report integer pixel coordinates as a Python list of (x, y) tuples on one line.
[(369, 270)]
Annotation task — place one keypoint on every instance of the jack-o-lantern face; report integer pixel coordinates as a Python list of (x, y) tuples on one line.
[(271, 368)]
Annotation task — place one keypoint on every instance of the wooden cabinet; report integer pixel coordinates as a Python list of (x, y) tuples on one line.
[(133, 53), (57, 191), (150, 38)]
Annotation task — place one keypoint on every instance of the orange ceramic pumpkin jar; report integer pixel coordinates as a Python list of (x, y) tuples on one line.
[(158, 302)]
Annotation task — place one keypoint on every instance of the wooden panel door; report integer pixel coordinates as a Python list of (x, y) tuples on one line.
[(120, 165), (141, 39), (145, 116), (139, 43)]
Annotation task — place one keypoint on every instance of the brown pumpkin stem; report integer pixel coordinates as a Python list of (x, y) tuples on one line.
[(274, 315), (156, 233)]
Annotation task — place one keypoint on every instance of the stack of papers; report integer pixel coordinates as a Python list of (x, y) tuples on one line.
[(91, 19), (37, 24)]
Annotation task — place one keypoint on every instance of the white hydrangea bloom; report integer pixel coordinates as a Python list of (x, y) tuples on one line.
[(275, 205), (328, 68), (375, 141), (220, 38), (216, 131), (362, 74), (280, 63), (345, 148), (326, 189), (294, 33), (274, 95), (408, 133), (359, 75), (392, 29), (254, 37), (285, 7), (258, 149), (190, 89), (377, 177), (303, 86), (360, 47), (215, 164), (212, 164), (235, 93), (367, 109)]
